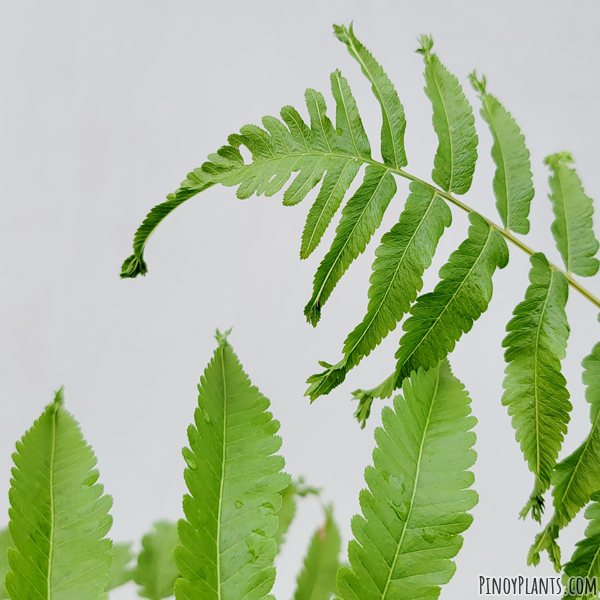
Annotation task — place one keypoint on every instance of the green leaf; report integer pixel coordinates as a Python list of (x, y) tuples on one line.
[(576, 477), (535, 390), (58, 514), (572, 227), (235, 483), (120, 571), (401, 259), (156, 570), (392, 111), (288, 507), (317, 578), (361, 216), (585, 561), (418, 497), (513, 185), (453, 122), (282, 148), (5, 544)]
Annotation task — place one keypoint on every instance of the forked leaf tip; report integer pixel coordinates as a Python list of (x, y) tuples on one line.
[(222, 337), (132, 267), (59, 396), (553, 160), (426, 42), (478, 84)]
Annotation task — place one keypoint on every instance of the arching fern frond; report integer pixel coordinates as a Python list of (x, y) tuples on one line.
[(585, 562), (58, 514), (418, 494), (286, 513), (572, 228), (156, 571), (404, 254), (513, 185), (454, 124), (576, 477), (317, 578), (235, 482), (535, 390)]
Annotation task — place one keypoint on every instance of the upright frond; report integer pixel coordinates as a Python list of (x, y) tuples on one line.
[(576, 477), (317, 578), (453, 122), (402, 257), (418, 495), (121, 570), (235, 482), (156, 571), (392, 111), (572, 227), (58, 514), (513, 185), (585, 562), (361, 216), (535, 390)]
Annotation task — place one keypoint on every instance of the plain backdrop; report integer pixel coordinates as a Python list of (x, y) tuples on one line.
[(104, 108)]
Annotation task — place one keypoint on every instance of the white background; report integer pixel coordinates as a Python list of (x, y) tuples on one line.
[(105, 106)]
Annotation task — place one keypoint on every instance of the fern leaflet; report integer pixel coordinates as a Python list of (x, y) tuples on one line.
[(572, 227), (156, 570), (317, 578), (58, 514), (402, 257), (513, 185), (535, 390), (392, 111), (585, 561), (418, 497), (5, 544), (120, 571), (454, 124), (576, 477), (235, 484)]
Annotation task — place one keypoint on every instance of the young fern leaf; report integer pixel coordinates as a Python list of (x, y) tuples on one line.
[(156, 570), (585, 562), (392, 111), (120, 571), (58, 514), (535, 390), (513, 185), (418, 497), (317, 578), (287, 511), (5, 544), (576, 477), (401, 259), (572, 227), (235, 483), (453, 122), (361, 216)]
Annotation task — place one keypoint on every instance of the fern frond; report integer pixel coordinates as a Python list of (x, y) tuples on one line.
[(287, 511), (585, 561), (453, 122), (156, 570), (361, 216), (401, 259), (392, 111), (572, 227), (5, 544), (535, 390), (317, 578), (235, 482), (121, 570), (58, 514), (576, 477), (418, 497), (513, 184)]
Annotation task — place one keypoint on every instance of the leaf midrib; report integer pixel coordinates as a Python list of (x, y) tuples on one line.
[(219, 515), (51, 485), (419, 458)]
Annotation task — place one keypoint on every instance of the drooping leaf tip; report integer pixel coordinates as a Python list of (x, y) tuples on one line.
[(553, 160), (313, 313), (133, 266), (363, 411), (535, 504)]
